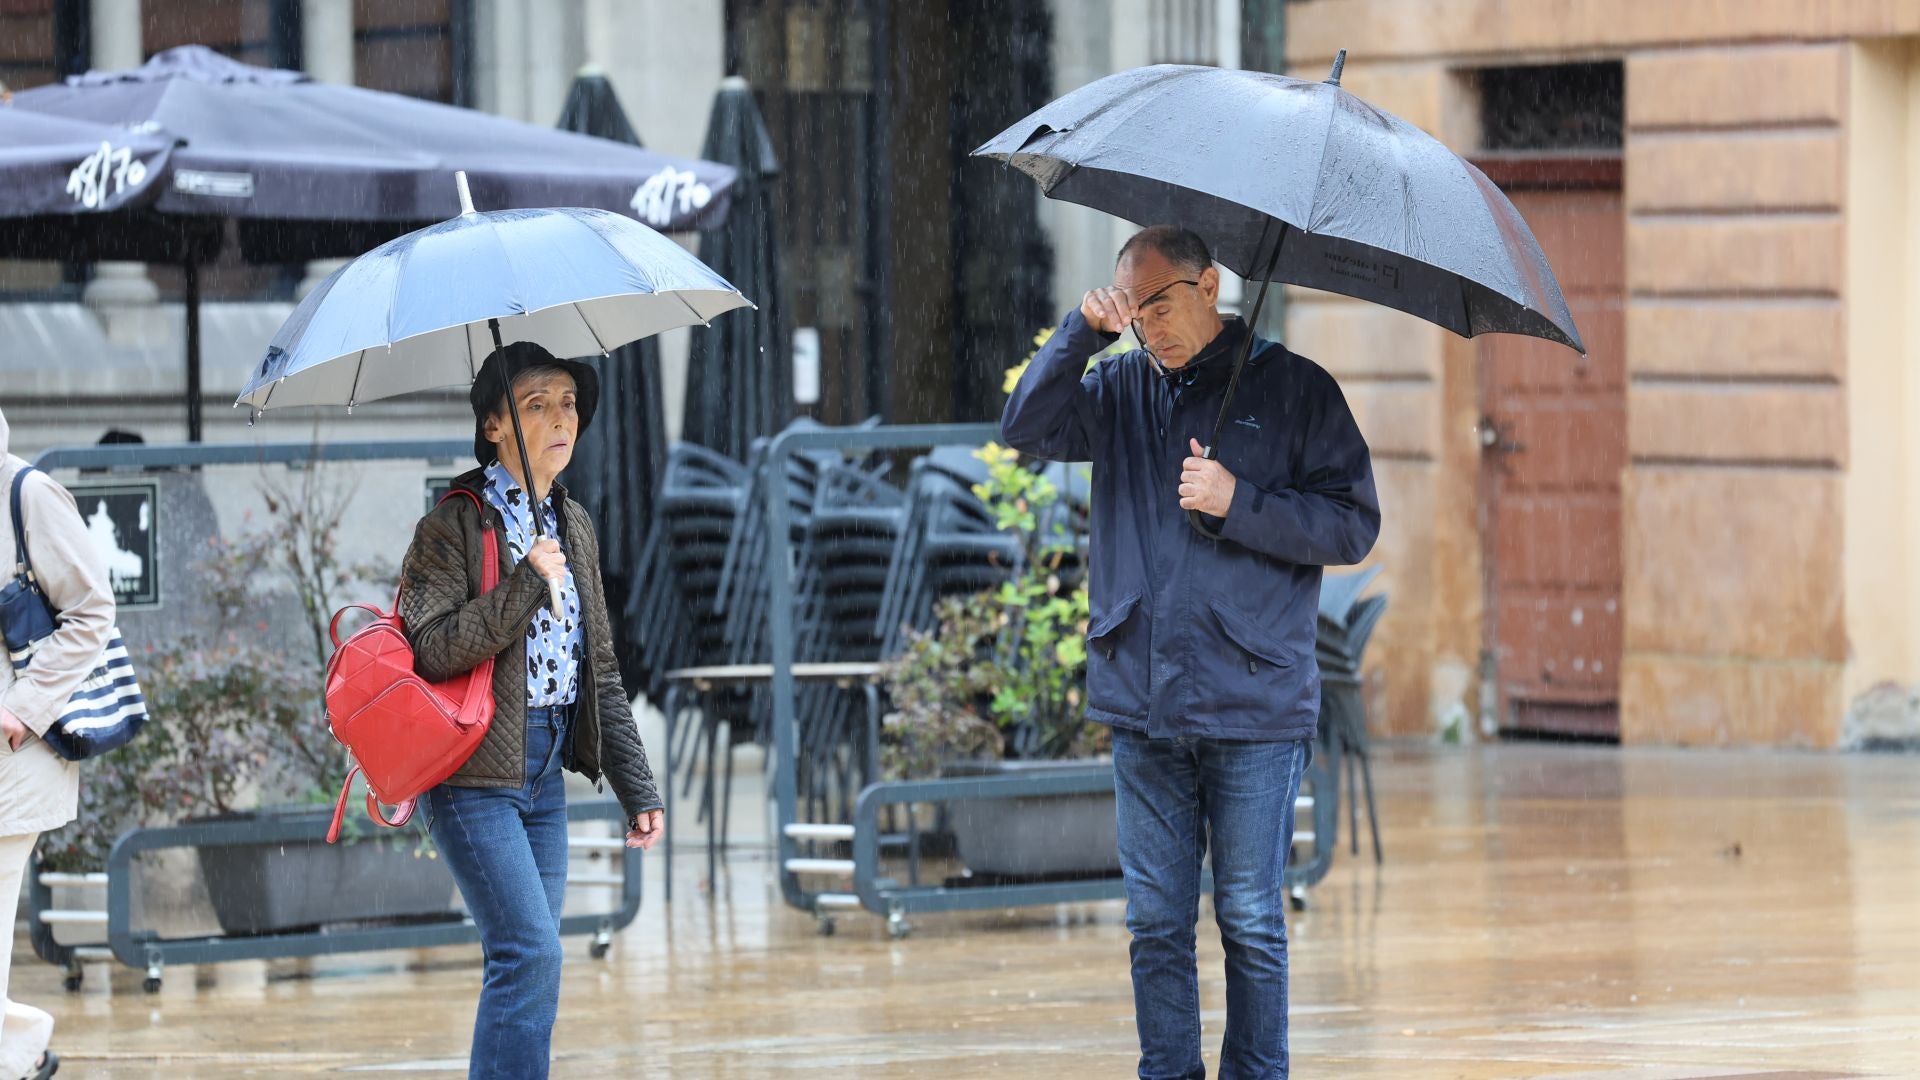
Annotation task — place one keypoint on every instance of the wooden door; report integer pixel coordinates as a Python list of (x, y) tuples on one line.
[(1553, 437)]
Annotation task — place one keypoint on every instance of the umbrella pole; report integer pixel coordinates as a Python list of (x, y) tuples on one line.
[(193, 350), (526, 469), (1194, 517)]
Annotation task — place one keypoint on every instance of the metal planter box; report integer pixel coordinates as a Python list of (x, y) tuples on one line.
[(1040, 836), (275, 888)]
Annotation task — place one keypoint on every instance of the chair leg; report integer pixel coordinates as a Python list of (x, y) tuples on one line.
[(1373, 817), (1353, 800), (713, 880), (666, 792), (690, 751), (726, 793)]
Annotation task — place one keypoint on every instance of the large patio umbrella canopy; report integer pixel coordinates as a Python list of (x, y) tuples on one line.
[(617, 464), (313, 170), (55, 165), (739, 379), (269, 144)]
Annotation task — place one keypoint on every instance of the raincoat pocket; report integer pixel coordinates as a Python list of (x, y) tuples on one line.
[(1254, 640), (1117, 659), (1247, 678)]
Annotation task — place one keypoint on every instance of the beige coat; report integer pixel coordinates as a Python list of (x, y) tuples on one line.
[(40, 791)]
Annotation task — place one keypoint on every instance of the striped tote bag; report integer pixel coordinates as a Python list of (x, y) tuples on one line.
[(108, 709)]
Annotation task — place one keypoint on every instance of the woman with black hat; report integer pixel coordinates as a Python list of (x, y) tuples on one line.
[(501, 820)]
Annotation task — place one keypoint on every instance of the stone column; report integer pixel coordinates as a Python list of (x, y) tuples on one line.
[(554, 53), (120, 292), (1083, 238), (665, 61), (501, 70), (1235, 293), (326, 37)]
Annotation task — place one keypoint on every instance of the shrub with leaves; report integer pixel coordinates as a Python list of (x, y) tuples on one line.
[(235, 720), (1001, 673)]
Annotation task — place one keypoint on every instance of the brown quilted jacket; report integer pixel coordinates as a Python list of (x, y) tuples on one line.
[(451, 632)]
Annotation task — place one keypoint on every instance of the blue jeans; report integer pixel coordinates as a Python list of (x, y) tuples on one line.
[(1175, 798), (507, 848)]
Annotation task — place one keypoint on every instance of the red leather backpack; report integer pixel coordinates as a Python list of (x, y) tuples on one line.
[(404, 733)]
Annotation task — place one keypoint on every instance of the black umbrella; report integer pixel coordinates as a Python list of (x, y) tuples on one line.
[(616, 467), (312, 170), (739, 379), (1299, 182)]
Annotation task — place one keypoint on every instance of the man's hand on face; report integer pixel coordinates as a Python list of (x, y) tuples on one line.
[(1108, 308), (1205, 485)]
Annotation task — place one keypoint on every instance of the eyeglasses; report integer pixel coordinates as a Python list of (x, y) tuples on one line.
[(1154, 309)]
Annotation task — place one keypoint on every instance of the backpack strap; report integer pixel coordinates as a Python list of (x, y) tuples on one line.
[(340, 806), (490, 555), (404, 809)]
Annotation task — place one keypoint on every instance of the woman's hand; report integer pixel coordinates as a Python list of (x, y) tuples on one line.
[(547, 559), (645, 829), (14, 728)]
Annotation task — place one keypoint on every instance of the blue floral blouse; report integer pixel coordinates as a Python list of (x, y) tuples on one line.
[(554, 645)]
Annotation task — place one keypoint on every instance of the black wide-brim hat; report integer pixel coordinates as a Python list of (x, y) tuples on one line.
[(503, 365)]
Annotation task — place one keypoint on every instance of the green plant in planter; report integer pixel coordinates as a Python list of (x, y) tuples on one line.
[(1000, 675), (302, 544), (216, 703), (235, 721)]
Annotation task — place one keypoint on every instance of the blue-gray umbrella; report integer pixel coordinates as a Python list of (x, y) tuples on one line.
[(1298, 182), (424, 310)]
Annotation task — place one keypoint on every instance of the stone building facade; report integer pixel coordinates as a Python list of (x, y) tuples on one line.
[(1735, 488)]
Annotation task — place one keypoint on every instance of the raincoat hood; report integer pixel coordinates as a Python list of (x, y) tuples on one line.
[(490, 389)]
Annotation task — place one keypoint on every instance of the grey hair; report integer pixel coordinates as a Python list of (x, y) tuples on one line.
[(1180, 246)]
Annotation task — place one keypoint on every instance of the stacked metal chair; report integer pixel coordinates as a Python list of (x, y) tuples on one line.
[(728, 604), (844, 563), (1346, 625), (949, 546), (682, 560)]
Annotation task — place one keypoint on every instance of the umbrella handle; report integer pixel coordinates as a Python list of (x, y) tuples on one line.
[(555, 586), (1194, 517), (1233, 383)]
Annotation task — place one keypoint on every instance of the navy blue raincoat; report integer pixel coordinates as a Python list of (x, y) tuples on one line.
[(1192, 636)]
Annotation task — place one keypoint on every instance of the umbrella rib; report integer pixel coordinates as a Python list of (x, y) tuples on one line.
[(1320, 172), (588, 323), (678, 295), (359, 366)]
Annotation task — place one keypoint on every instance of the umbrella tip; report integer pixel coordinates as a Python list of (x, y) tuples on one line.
[(734, 82), (590, 70), (1339, 62), (466, 195)]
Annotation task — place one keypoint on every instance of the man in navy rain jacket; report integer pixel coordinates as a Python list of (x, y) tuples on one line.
[(1201, 651)]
